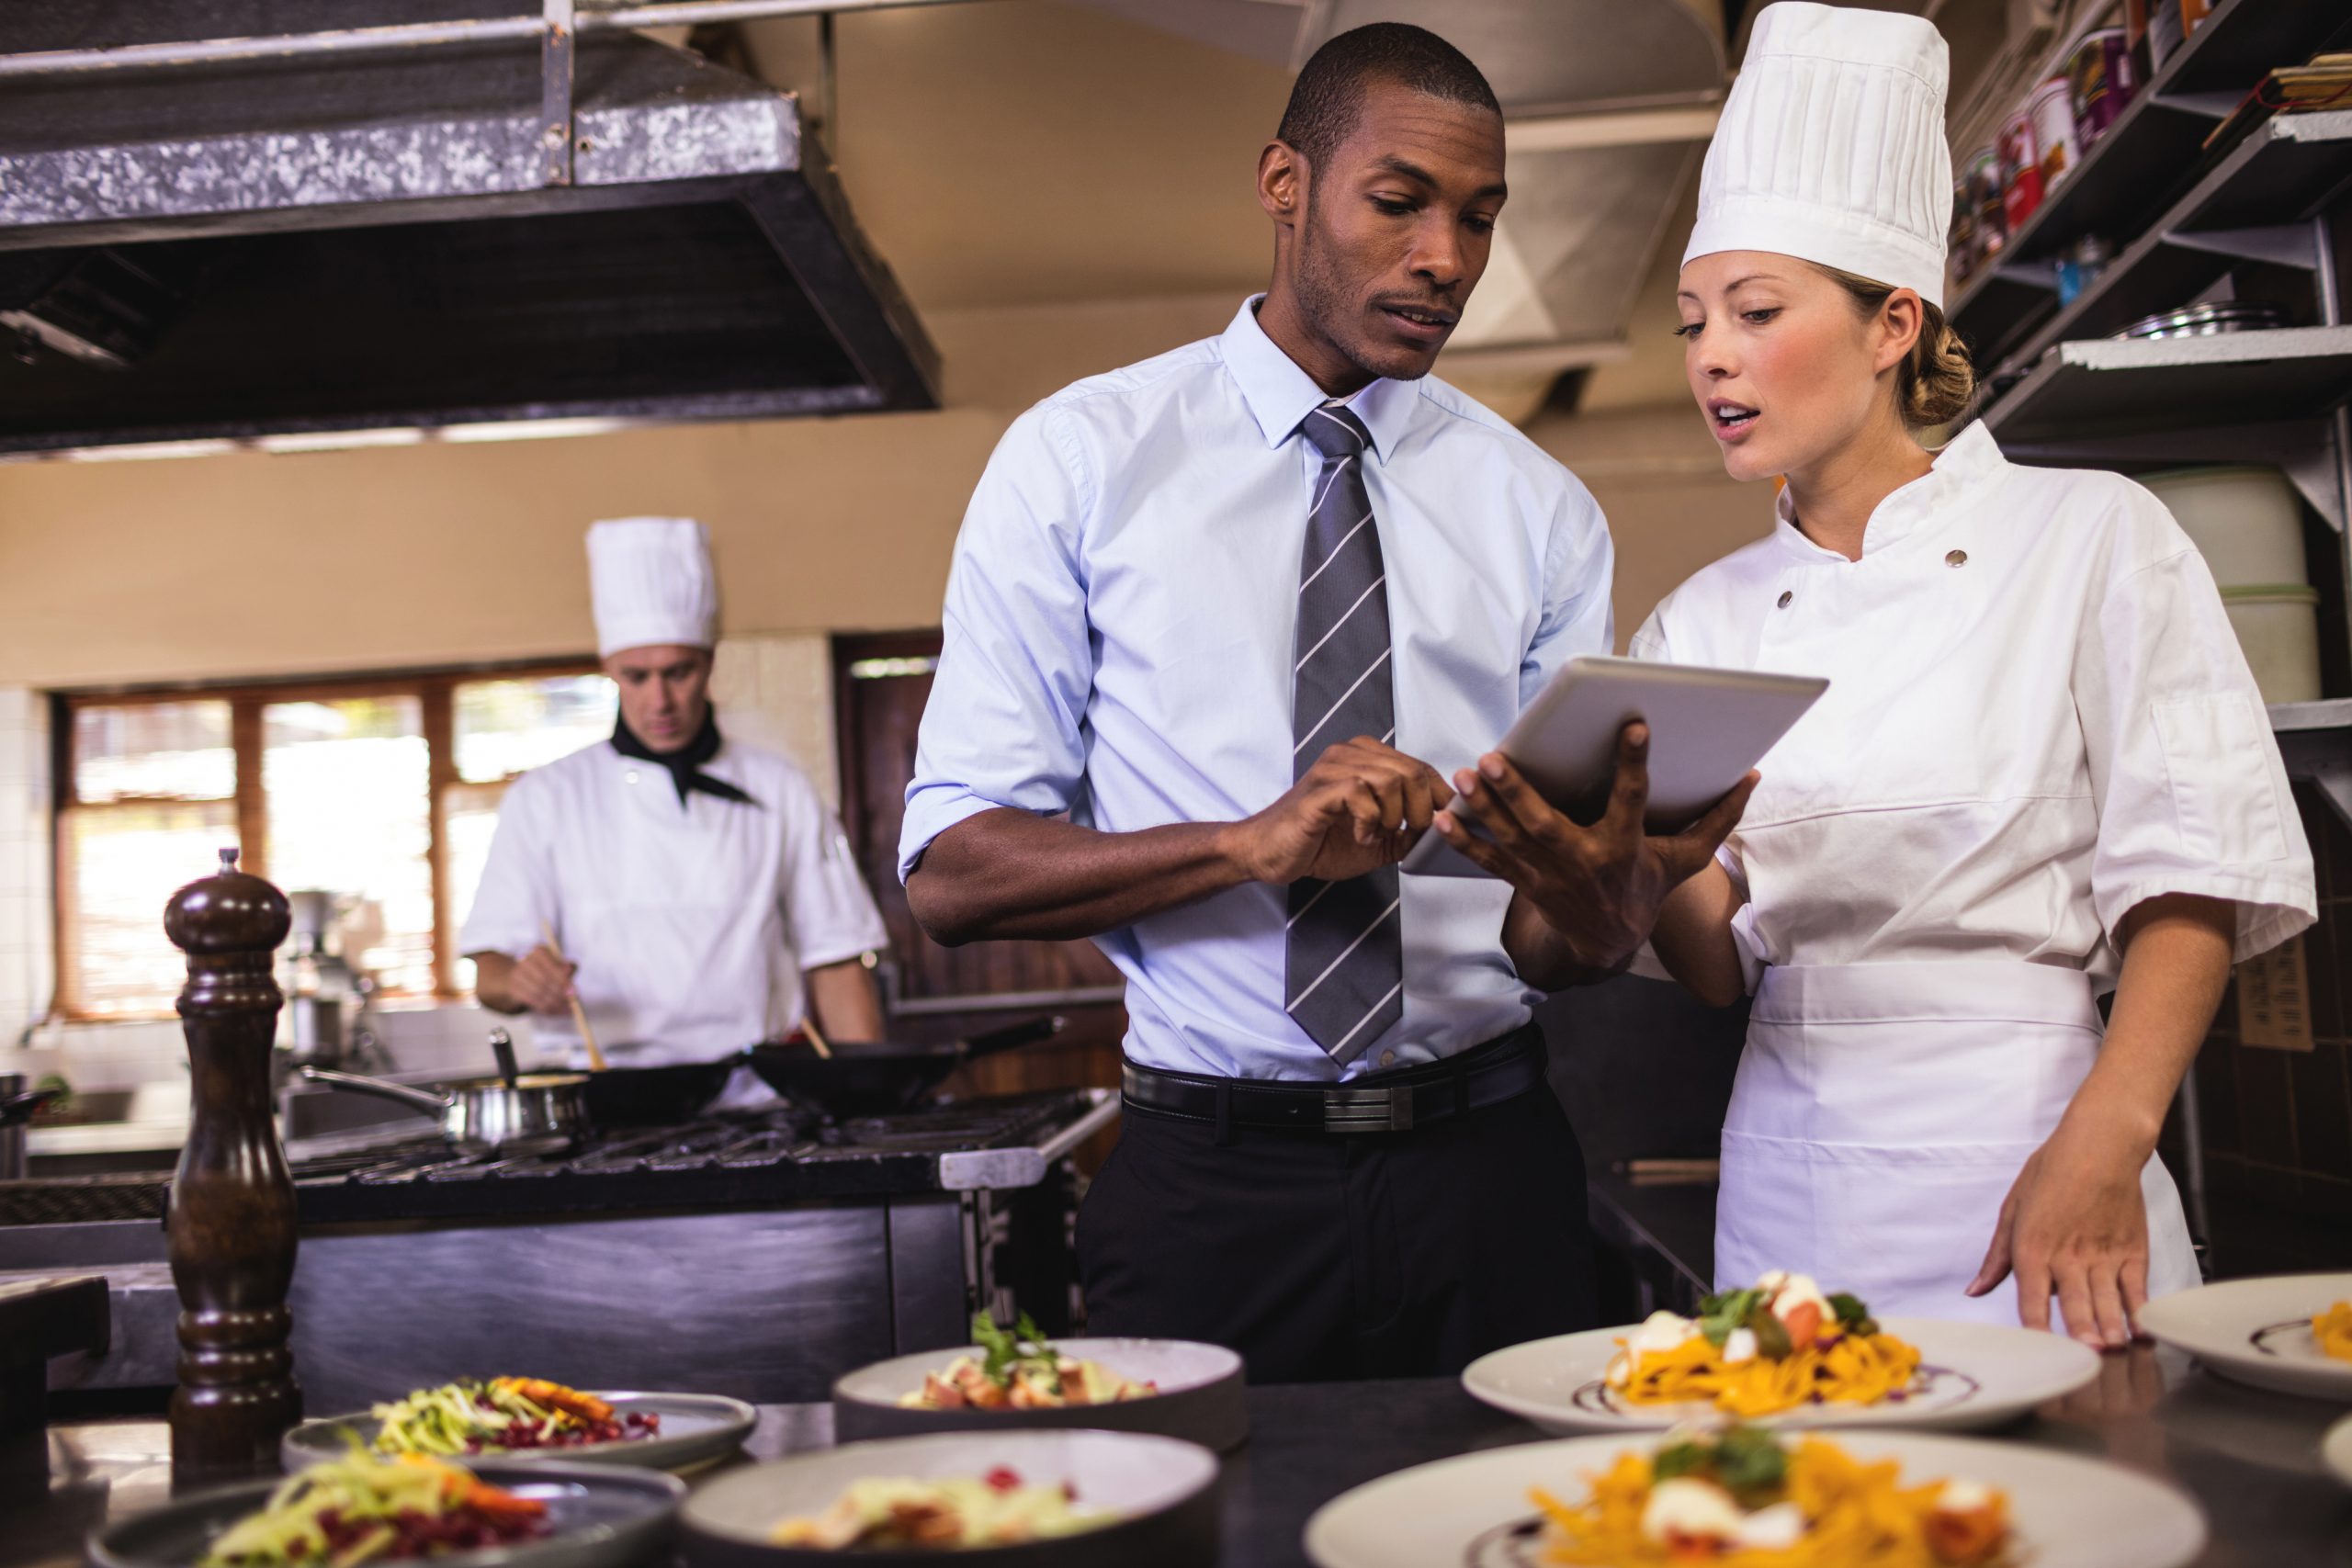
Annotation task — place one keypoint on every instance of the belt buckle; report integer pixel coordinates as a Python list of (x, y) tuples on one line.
[(1388, 1109)]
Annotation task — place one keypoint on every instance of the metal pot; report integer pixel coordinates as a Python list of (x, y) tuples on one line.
[(540, 1114), (16, 1107)]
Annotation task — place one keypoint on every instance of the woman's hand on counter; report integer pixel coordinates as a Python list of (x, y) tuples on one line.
[(2076, 1226), (1595, 892)]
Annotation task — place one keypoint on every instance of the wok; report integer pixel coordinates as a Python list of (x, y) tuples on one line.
[(875, 1077), (655, 1097)]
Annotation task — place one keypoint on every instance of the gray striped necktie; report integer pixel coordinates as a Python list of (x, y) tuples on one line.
[(1345, 955)]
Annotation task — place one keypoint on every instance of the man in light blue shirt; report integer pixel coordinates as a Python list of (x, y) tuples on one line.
[(1207, 616)]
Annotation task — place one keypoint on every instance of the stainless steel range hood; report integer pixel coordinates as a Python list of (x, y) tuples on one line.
[(282, 245)]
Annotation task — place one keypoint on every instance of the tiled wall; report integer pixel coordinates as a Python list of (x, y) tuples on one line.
[(2277, 1124), (778, 691), (25, 933)]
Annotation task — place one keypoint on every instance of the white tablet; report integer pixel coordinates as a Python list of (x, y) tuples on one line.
[(1707, 729)]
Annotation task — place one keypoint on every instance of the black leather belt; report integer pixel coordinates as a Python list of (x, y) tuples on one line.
[(1383, 1102)]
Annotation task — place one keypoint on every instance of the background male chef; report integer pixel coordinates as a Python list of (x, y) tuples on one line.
[(701, 891)]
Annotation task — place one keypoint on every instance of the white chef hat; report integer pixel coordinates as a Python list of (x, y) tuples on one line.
[(652, 583), (1831, 146)]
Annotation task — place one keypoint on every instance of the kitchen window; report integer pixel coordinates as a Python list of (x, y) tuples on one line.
[(382, 790)]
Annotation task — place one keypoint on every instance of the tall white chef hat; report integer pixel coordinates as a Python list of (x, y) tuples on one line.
[(1831, 146), (652, 583)]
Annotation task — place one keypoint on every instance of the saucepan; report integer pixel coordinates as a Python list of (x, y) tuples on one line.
[(875, 1077), (508, 1114)]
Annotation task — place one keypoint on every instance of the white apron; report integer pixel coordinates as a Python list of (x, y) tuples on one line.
[(1881, 1113)]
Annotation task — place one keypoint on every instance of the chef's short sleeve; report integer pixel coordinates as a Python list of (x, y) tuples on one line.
[(516, 897), (829, 913), (2192, 796), (1016, 665)]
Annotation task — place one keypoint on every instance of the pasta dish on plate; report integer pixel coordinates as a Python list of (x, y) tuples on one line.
[(1743, 1499), (1777, 1346)]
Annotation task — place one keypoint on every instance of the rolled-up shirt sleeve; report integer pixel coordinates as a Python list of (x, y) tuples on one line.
[(1004, 726), (2192, 796), (1581, 568)]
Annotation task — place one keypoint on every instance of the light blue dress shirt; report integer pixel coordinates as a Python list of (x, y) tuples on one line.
[(1119, 645)]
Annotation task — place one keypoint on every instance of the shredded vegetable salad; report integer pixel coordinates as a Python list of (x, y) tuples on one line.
[(361, 1510), (1739, 1499), (1773, 1348), (503, 1415), (1018, 1370), (2333, 1329), (947, 1514)]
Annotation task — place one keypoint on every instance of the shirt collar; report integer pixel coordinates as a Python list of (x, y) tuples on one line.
[(1971, 459), (1280, 394)]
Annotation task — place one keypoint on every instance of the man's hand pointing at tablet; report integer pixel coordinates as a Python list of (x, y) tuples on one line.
[(1587, 896)]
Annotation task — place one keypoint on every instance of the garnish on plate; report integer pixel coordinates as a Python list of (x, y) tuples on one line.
[(1776, 1345), (944, 1514), (1019, 1370), (2332, 1330), (1741, 1498), (357, 1509), (504, 1416)]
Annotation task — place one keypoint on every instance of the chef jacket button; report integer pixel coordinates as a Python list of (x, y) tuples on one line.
[(1958, 557), (631, 776), (1787, 598), (1388, 1058)]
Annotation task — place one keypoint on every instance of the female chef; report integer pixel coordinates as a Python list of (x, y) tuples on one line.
[(2040, 771)]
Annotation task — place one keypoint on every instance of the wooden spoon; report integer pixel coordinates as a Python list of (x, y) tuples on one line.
[(816, 1037), (578, 1013)]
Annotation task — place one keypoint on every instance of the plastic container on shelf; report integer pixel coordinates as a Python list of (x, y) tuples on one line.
[(2099, 83), (2278, 629), (2052, 109), (2080, 267), (2020, 169), (2247, 522)]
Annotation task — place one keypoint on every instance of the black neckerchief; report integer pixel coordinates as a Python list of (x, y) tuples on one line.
[(686, 764)]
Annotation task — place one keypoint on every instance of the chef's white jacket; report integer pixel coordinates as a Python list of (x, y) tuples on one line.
[(691, 925), (2038, 718)]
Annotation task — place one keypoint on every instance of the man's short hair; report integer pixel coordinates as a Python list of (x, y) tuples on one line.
[(1329, 92)]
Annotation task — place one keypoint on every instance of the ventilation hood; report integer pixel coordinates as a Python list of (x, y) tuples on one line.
[(298, 246)]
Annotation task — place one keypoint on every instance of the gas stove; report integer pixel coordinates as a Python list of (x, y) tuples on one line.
[(776, 1156)]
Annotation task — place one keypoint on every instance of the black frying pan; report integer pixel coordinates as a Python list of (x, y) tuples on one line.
[(653, 1096), (875, 1077)]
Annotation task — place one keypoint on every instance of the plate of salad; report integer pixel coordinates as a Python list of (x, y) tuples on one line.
[(1019, 1377), (370, 1508), (526, 1420)]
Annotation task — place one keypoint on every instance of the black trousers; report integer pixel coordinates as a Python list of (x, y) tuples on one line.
[(1322, 1256)]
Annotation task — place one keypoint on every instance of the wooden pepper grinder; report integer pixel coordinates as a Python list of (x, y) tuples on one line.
[(231, 1223)]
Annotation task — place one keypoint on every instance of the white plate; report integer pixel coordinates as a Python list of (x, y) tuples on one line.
[(1202, 1397), (1972, 1375), (2259, 1331), (2335, 1450), (1161, 1491), (2069, 1512), (696, 1429)]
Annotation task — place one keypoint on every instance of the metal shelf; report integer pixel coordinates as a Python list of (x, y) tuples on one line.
[(2256, 204), (2315, 742), (2153, 144), (2107, 387)]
